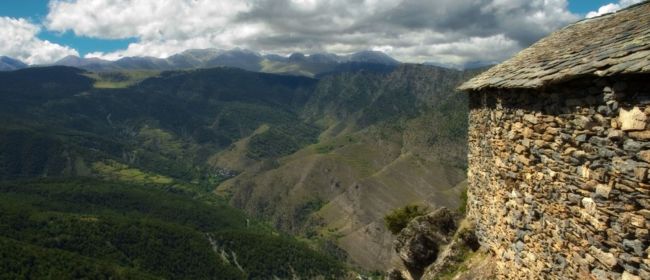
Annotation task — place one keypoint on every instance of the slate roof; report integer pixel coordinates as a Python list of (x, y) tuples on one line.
[(617, 43)]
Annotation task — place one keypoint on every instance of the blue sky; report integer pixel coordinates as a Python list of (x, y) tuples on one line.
[(113, 29), (36, 10), (585, 6)]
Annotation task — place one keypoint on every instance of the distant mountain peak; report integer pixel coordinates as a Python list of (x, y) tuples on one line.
[(463, 66), (10, 64), (372, 57), (297, 56), (295, 64), (240, 51), (76, 61), (70, 59), (200, 54)]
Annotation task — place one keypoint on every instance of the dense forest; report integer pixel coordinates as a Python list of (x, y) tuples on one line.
[(112, 183), (69, 228)]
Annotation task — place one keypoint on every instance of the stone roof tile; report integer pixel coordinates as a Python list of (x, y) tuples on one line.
[(617, 43)]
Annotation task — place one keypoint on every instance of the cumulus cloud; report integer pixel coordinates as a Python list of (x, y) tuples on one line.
[(446, 31), (19, 41), (162, 27), (612, 7)]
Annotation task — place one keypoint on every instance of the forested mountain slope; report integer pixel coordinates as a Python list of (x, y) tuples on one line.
[(324, 159), (113, 182)]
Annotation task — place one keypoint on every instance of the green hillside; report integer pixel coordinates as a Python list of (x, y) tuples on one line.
[(126, 230), (168, 124), (117, 170), (112, 183)]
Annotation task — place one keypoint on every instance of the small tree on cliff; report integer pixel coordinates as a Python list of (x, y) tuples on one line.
[(399, 218)]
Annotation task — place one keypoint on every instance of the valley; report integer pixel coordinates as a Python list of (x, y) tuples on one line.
[(319, 159), (311, 139), (383, 146)]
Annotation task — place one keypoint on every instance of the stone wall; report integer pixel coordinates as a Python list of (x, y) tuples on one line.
[(558, 179)]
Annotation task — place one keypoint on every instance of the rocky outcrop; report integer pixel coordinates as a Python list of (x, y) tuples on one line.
[(419, 243), (432, 246), (453, 255), (558, 179)]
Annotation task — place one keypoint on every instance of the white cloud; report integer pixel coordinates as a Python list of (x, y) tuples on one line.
[(414, 31), (19, 41), (145, 19), (606, 9), (612, 7), (491, 49), (625, 3)]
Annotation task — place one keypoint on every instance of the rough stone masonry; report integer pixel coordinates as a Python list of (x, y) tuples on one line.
[(559, 152), (559, 178)]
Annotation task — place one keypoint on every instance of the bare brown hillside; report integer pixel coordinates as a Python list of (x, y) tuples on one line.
[(401, 143)]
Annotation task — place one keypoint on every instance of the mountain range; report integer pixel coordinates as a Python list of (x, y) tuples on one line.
[(322, 158), (295, 64), (10, 64)]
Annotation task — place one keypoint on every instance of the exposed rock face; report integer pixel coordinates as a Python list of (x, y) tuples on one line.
[(396, 274), (419, 243), (558, 179), (454, 254), (434, 247)]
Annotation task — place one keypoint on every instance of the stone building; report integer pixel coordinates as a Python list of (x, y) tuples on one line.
[(559, 153)]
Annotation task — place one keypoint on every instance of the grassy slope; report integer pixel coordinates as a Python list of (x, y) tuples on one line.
[(149, 214), (169, 124), (390, 139), (120, 79), (358, 181), (385, 145)]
